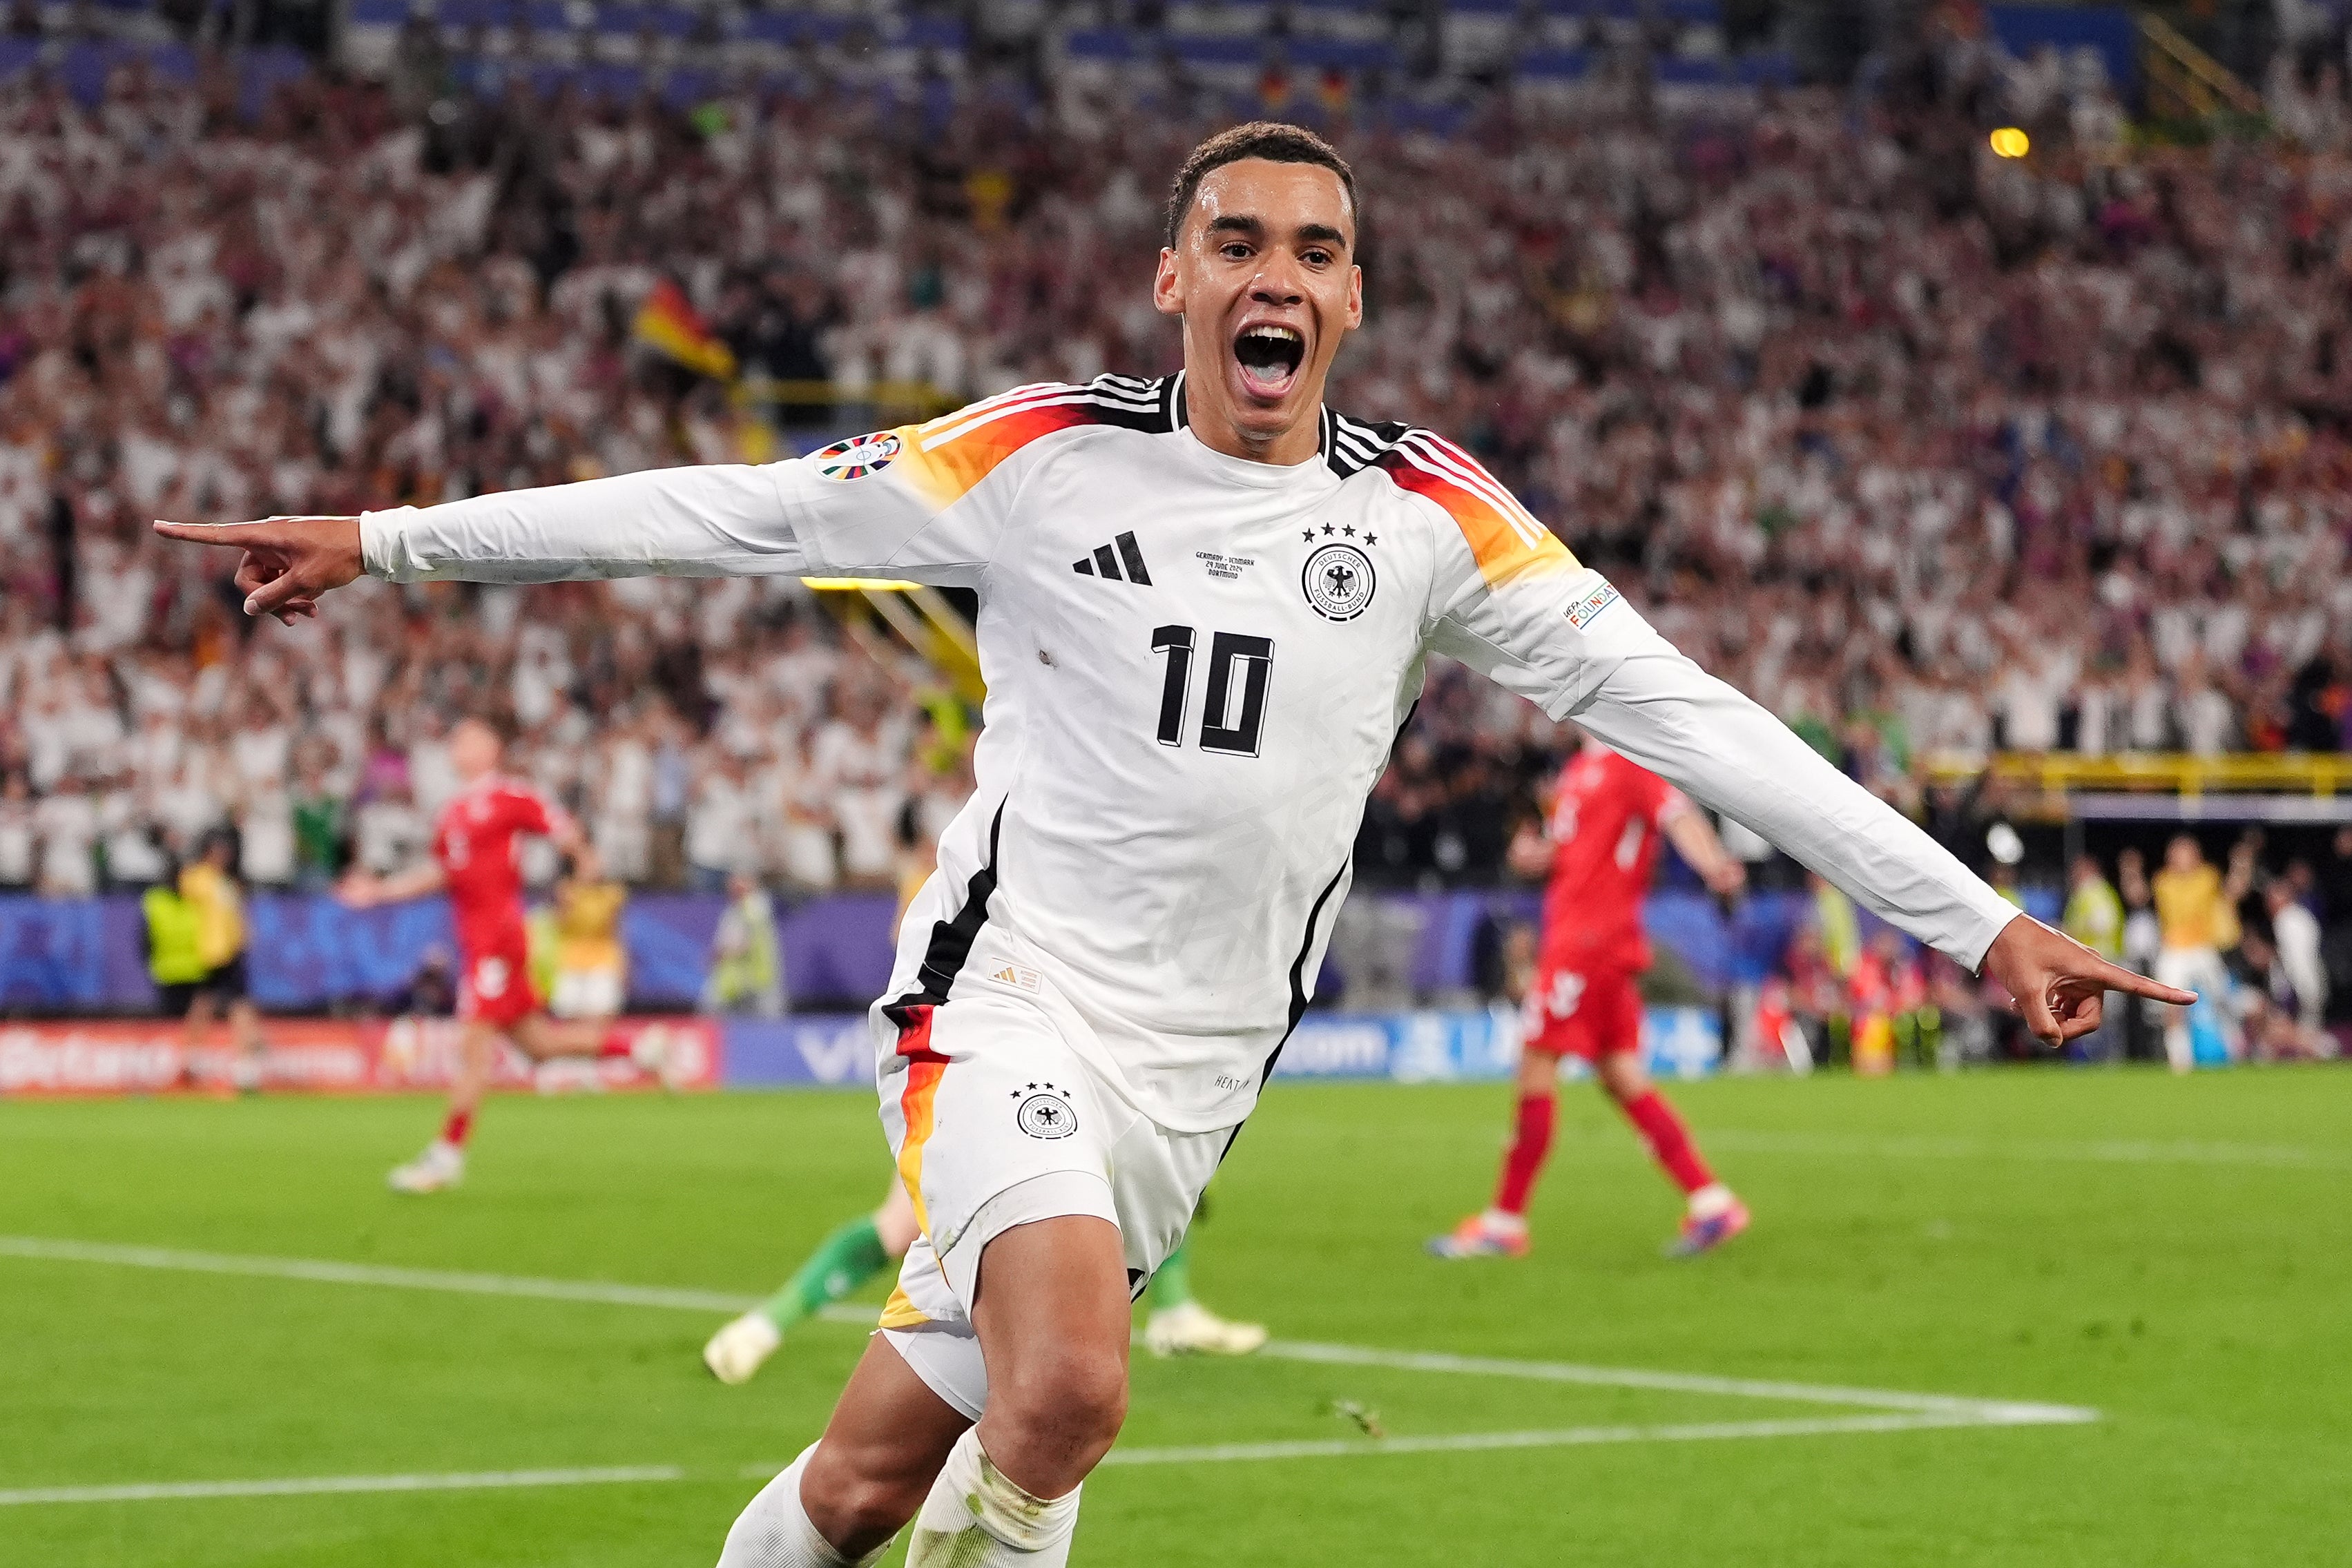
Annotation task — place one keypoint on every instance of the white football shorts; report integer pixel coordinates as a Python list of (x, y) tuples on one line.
[(996, 1121), (586, 994)]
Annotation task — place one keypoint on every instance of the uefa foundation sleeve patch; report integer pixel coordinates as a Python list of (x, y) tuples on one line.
[(1587, 606), (858, 457)]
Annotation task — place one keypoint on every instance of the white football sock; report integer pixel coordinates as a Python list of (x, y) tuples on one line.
[(1711, 1200), (975, 1518), (773, 1530)]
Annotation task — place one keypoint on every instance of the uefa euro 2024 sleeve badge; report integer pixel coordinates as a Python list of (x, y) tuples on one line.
[(1046, 1111), (1338, 582), (857, 457)]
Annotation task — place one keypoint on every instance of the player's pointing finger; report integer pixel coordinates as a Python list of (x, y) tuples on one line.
[(2122, 979), (232, 534)]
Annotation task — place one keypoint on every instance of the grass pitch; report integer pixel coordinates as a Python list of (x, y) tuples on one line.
[(2171, 1253)]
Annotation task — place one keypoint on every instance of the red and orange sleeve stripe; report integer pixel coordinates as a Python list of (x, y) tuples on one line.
[(945, 459), (1508, 540)]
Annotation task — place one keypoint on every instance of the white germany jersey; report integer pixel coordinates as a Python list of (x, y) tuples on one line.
[(1196, 667)]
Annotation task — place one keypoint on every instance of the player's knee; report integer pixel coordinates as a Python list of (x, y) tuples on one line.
[(857, 1505), (1622, 1077), (1069, 1410)]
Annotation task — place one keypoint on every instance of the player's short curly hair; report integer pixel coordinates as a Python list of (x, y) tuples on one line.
[(1267, 139)]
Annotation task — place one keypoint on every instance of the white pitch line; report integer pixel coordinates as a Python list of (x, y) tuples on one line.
[(2102, 1152), (315, 1486), (1566, 1437), (327, 1271), (1195, 1454), (1674, 1381)]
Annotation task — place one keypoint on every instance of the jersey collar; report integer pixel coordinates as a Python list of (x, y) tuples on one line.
[(1267, 475)]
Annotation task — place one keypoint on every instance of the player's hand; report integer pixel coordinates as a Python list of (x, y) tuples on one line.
[(1530, 853), (288, 561), (360, 890), (2059, 984), (1727, 877)]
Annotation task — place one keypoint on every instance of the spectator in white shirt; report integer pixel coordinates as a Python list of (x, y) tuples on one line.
[(20, 835), (719, 841), (68, 824)]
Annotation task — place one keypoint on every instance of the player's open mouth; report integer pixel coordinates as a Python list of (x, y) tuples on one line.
[(1269, 357)]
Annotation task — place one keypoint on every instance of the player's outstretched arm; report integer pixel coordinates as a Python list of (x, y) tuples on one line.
[(1695, 839), (1666, 713), (366, 889), (727, 520)]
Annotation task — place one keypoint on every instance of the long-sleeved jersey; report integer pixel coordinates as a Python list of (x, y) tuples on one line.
[(1196, 666)]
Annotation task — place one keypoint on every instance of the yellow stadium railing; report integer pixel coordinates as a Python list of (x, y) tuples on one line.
[(2179, 773), (919, 399)]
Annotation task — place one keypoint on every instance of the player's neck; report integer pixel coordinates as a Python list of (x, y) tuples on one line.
[(1212, 425)]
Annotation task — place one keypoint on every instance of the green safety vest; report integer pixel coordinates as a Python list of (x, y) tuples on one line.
[(754, 968), (2095, 917), (175, 928)]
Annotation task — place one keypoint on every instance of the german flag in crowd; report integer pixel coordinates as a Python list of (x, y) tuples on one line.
[(668, 324)]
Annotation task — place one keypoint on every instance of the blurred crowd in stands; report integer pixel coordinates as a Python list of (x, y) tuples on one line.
[(1933, 453), (2249, 935)]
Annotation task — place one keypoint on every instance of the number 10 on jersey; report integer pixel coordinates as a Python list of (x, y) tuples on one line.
[(1254, 657)]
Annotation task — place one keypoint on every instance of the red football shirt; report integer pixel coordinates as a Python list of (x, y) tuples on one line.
[(1605, 812), (475, 842)]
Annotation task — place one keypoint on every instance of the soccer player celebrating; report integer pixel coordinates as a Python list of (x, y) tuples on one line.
[(1606, 815), (1206, 602), (475, 858)]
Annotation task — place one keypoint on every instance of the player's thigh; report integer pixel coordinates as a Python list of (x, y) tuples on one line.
[(1052, 1314)]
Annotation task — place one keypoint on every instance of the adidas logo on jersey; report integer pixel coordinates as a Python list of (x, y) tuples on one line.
[(1108, 559)]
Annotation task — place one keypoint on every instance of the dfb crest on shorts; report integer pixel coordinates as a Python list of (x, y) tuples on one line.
[(857, 457), (1046, 1113), (1338, 582)]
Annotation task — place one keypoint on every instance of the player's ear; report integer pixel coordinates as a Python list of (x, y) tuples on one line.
[(1355, 296), (1168, 286)]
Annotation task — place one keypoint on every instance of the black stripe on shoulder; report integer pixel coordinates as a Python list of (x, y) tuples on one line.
[(951, 939), (1128, 403), (1127, 416), (1355, 445)]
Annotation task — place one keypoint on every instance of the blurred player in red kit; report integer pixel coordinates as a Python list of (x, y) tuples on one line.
[(1607, 814), (475, 858)]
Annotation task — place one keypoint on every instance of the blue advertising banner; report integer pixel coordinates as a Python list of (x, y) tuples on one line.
[(837, 1051)]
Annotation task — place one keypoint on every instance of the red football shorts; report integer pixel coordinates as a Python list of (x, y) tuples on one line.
[(1587, 1015), (495, 986)]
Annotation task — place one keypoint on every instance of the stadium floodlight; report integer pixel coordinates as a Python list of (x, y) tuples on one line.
[(2009, 141)]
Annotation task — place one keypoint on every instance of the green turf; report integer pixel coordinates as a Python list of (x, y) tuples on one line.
[(2173, 1253)]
